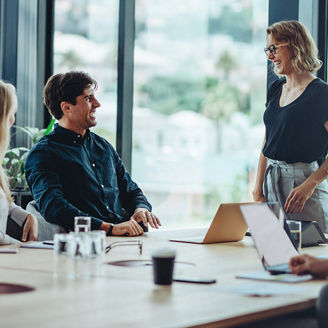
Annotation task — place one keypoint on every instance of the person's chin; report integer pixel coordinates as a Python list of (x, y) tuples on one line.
[(92, 123), (280, 69)]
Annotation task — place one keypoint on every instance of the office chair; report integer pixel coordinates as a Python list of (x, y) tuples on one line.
[(322, 307), (46, 229)]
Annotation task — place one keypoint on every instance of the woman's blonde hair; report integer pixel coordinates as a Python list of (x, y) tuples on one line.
[(300, 42), (8, 102)]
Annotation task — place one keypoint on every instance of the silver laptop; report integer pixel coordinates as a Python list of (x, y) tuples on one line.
[(270, 235)]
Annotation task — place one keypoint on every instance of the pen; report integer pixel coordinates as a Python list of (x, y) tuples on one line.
[(48, 243)]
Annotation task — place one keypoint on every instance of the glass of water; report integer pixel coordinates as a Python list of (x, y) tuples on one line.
[(295, 228), (98, 242), (82, 223), (62, 263)]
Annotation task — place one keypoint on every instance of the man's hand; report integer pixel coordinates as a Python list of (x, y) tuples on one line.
[(30, 230), (142, 214), (128, 228), (305, 264)]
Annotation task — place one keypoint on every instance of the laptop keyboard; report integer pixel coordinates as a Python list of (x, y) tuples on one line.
[(279, 268)]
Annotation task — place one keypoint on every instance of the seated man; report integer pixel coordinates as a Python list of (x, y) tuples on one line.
[(74, 172)]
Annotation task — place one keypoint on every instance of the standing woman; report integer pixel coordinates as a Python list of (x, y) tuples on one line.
[(8, 107), (293, 167)]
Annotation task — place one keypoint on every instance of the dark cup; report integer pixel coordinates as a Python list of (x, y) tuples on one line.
[(163, 265)]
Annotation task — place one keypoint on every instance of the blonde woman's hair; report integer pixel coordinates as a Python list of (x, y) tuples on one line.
[(8, 102), (300, 42)]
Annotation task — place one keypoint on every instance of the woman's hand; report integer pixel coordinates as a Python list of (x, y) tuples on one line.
[(30, 230), (298, 197), (258, 195), (305, 264)]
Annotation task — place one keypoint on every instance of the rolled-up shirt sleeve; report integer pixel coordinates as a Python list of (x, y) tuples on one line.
[(17, 213), (131, 195), (5, 239)]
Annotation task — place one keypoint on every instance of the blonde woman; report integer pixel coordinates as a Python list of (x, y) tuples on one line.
[(293, 166), (8, 107)]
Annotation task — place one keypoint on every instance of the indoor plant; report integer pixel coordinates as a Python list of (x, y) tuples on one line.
[(14, 162)]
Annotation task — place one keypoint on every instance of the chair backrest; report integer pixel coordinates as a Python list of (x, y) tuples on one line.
[(322, 307), (46, 229)]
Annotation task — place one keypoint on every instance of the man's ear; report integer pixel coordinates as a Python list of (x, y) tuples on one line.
[(65, 107)]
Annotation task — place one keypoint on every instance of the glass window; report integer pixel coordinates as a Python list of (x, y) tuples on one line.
[(86, 33), (199, 95)]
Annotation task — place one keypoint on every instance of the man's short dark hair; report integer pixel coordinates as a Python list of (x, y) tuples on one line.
[(65, 87)]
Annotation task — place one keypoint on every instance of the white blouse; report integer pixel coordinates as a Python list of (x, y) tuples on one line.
[(13, 211)]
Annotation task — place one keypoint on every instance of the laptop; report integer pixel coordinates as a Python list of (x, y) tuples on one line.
[(227, 225), (271, 235)]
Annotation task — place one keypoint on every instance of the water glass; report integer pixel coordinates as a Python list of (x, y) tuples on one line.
[(82, 223), (98, 242), (62, 263), (61, 243), (295, 228), (79, 246)]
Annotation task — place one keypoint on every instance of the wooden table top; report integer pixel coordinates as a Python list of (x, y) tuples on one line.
[(126, 296)]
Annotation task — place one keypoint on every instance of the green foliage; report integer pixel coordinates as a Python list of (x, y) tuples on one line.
[(71, 60), (14, 159), (215, 99), (14, 166), (240, 187), (221, 102), (227, 63), (237, 24), (106, 133), (171, 94)]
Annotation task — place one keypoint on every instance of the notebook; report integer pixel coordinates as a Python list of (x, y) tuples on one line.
[(227, 225), (270, 235)]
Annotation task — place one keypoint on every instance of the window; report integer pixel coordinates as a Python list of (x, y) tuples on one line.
[(199, 95), (86, 39)]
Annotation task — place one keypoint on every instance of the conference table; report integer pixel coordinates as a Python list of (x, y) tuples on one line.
[(125, 296)]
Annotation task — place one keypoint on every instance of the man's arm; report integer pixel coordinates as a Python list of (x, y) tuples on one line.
[(132, 197)]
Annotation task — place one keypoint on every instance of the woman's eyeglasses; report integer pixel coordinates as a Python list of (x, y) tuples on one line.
[(273, 49)]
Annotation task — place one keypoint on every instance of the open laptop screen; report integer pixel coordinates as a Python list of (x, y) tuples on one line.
[(270, 238)]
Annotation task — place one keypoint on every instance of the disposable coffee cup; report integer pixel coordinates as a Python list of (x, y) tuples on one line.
[(163, 266)]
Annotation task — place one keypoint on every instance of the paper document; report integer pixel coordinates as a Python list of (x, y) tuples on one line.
[(265, 275), (48, 244), (257, 289)]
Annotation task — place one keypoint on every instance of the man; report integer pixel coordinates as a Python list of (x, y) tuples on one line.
[(74, 172)]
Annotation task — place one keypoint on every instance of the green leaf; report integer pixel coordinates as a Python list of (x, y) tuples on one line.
[(49, 127), (14, 161)]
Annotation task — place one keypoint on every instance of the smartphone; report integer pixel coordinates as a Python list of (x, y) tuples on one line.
[(194, 280)]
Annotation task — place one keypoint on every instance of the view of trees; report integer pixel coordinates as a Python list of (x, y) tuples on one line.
[(199, 94)]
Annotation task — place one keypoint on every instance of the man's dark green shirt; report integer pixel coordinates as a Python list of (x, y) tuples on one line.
[(70, 175)]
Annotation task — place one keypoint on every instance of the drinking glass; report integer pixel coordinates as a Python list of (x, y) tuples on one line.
[(62, 263), (295, 228), (82, 223), (98, 242)]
